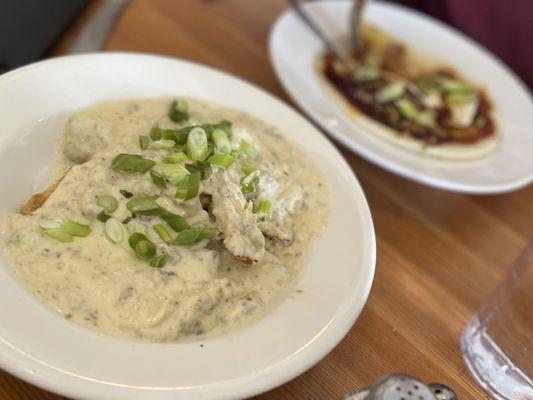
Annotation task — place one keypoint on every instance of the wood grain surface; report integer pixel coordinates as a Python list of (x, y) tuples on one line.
[(439, 254)]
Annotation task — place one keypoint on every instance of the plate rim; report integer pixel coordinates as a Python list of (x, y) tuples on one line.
[(375, 158), (61, 382)]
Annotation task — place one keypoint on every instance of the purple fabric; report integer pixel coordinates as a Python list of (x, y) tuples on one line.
[(505, 27)]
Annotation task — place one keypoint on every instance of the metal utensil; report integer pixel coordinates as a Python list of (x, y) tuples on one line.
[(336, 50), (403, 387), (95, 33), (356, 17)]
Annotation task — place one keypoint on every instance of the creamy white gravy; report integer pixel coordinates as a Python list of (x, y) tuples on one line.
[(202, 289)]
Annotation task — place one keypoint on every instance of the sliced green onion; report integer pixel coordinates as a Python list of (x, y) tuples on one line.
[(176, 222), (162, 144), (177, 158), (126, 194), (163, 232), (144, 249), (171, 172), (157, 179), (188, 187), (222, 144), (426, 118), (192, 236), (156, 133), (246, 150), (390, 92), (107, 202), (131, 163), (178, 111), (460, 98), (249, 183), (59, 234), (223, 125), (127, 219), (102, 216), (248, 169), (407, 108), (115, 230), (159, 261), (197, 144), (366, 74), (203, 167), (221, 160), (450, 85), (264, 210), (141, 203), (55, 230), (75, 228), (179, 136), (144, 142)]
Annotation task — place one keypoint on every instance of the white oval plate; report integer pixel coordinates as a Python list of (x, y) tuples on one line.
[(41, 347), (294, 48)]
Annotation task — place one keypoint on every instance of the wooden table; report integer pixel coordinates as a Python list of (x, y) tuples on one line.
[(439, 253)]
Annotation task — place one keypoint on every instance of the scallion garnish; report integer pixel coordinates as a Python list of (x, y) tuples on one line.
[(131, 163), (176, 222), (176, 158), (221, 160), (143, 248), (75, 228), (107, 202), (163, 232), (203, 167), (188, 187), (115, 230), (126, 194), (264, 211), (157, 179), (197, 149), (192, 236), (173, 173), (178, 111), (248, 169), (162, 144), (102, 216), (159, 261), (156, 133), (179, 136), (141, 203), (144, 142), (221, 141), (249, 183), (246, 149)]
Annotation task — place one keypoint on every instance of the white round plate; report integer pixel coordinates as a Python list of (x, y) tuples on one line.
[(294, 48), (41, 347)]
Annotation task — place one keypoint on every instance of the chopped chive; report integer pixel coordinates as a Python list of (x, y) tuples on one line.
[(171, 172), (407, 108), (390, 92), (178, 111), (107, 202), (102, 216), (249, 183), (188, 187), (246, 150), (159, 261), (75, 228), (248, 169), (141, 203), (264, 210), (58, 234), (115, 230), (192, 236), (144, 249), (156, 133), (179, 136), (131, 163), (127, 219), (162, 144), (126, 194), (68, 316), (222, 144), (163, 232), (157, 179), (197, 149), (144, 142), (221, 160), (203, 167), (176, 222), (176, 158)]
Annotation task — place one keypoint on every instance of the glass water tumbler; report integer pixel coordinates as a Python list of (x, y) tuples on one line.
[(497, 343)]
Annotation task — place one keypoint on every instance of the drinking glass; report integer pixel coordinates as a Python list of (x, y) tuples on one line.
[(497, 343)]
